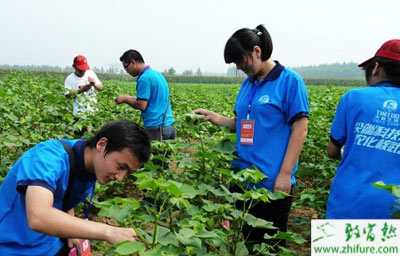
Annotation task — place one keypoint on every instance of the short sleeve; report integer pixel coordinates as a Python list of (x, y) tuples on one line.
[(68, 83), (93, 76), (297, 100), (338, 128), (143, 88), (42, 165)]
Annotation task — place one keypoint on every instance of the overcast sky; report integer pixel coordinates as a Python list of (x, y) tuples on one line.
[(188, 34)]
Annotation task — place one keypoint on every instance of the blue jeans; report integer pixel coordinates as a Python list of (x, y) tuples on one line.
[(167, 132)]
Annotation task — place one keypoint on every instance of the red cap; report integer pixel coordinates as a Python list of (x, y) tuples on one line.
[(389, 50), (80, 63)]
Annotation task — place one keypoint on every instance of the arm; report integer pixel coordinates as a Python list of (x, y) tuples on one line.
[(132, 101), (339, 129), (333, 151), (216, 118), (296, 142), (71, 93), (43, 217), (98, 86), (95, 82)]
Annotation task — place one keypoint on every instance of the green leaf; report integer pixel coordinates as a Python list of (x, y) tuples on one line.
[(257, 222), (289, 236), (168, 239), (204, 234), (226, 145), (249, 175), (181, 203), (241, 249), (187, 237), (117, 208), (127, 248), (393, 189)]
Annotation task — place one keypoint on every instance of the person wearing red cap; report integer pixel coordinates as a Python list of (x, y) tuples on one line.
[(82, 86), (365, 135)]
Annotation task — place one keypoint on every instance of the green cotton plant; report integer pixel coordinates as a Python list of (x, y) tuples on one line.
[(180, 203), (117, 208)]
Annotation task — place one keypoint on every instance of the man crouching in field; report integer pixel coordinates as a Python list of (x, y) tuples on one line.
[(44, 185)]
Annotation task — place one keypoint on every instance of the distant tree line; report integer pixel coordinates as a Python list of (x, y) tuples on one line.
[(346, 74), (332, 71)]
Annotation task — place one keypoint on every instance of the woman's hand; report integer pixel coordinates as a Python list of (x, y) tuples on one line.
[(283, 183), (209, 116)]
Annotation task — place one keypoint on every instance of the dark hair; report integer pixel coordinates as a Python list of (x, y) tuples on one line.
[(130, 55), (242, 43), (124, 134), (391, 68)]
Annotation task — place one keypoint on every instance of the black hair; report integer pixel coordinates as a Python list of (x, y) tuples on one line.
[(391, 68), (130, 55), (242, 43), (124, 134)]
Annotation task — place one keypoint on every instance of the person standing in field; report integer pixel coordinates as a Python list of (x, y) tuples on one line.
[(81, 86), (44, 185), (367, 128), (152, 97), (271, 117)]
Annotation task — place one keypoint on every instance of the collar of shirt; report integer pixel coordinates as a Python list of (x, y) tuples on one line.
[(79, 151), (272, 75), (144, 69), (385, 83)]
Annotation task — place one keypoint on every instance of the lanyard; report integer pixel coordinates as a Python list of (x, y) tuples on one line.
[(252, 93), (89, 206)]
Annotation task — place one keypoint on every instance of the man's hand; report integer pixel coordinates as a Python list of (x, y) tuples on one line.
[(71, 93), (84, 88), (120, 99), (116, 235), (125, 99)]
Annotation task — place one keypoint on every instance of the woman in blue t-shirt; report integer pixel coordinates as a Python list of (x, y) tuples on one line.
[(271, 116)]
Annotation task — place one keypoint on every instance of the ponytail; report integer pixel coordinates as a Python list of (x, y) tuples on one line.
[(242, 43), (266, 42)]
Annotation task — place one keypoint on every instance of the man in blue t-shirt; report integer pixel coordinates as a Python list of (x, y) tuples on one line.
[(152, 97), (366, 128), (44, 185)]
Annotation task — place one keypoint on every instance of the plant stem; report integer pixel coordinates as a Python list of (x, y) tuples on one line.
[(155, 229)]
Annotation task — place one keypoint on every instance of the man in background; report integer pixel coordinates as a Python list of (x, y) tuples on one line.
[(152, 97), (81, 86)]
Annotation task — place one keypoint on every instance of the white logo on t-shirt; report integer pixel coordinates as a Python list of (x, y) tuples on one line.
[(263, 99), (390, 105)]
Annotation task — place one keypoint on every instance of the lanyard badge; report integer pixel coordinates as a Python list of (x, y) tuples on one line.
[(247, 125), (81, 249), (247, 132)]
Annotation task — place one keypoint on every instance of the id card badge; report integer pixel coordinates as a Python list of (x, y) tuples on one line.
[(81, 249), (247, 132)]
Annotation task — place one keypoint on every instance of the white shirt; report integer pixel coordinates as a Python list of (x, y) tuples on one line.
[(83, 102)]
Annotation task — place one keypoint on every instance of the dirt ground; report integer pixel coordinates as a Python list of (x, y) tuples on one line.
[(300, 223)]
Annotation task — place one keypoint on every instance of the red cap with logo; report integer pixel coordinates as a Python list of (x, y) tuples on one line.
[(80, 63), (389, 50)]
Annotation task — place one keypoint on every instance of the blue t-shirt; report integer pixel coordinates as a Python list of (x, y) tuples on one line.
[(278, 101), (47, 165), (153, 87), (367, 124)]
